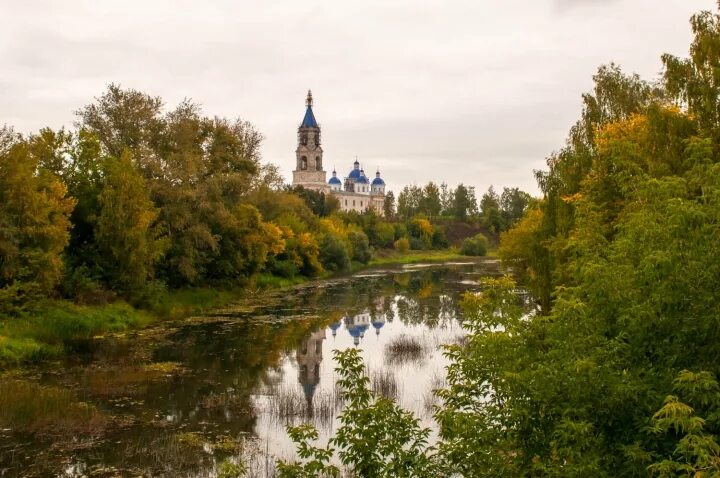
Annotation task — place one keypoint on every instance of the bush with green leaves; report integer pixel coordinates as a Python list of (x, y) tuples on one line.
[(474, 246), (333, 254), (402, 245), (376, 437), (360, 246)]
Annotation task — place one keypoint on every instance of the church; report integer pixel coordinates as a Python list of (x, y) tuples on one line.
[(355, 192)]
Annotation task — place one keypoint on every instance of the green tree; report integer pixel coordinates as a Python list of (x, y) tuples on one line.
[(430, 203), (408, 204), (447, 200), (389, 205), (126, 232), (695, 81), (513, 204), (333, 253), (464, 202), (360, 246), (127, 120), (490, 210), (34, 224), (319, 203)]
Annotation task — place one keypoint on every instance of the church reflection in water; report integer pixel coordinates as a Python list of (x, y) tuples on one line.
[(309, 354)]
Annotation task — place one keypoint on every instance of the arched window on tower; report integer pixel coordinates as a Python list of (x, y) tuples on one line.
[(303, 138), (317, 139), (303, 163), (318, 163)]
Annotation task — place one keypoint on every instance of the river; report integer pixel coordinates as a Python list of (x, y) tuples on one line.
[(180, 397)]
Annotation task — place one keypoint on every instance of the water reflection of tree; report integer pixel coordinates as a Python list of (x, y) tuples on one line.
[(228, 361)]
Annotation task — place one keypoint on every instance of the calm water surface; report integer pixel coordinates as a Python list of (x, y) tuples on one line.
[(184, 396)]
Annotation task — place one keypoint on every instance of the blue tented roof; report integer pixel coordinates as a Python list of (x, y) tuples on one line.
[(309, 119)]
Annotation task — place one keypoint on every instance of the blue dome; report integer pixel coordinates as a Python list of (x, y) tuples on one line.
[(358, 330), (335, 180), (335, 325), (354, 174), (377, 324), (362, 180), (378, 182)]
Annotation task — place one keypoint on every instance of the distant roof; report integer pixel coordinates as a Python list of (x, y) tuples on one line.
[(309, 119)]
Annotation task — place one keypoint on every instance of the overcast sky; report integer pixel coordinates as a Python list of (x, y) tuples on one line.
[(473, 91)]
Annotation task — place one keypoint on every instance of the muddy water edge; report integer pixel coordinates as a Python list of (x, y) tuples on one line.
[(194, 397)]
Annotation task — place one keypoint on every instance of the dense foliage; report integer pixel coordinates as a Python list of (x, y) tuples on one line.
[(617, 372), (496, 212), (141, 198), (474, 246)]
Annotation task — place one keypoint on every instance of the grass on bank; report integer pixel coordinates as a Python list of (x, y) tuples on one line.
[(54, 327), (389, 257), (41, 410), (51, 329)]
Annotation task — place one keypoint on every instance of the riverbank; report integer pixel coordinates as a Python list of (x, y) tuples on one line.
[(391, 257), (58, 327)]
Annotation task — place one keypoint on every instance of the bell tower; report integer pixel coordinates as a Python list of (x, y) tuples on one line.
[(309, 171)]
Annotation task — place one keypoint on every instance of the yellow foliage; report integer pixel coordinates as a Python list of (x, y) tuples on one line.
[(274, 237), (425, 226), (571, 198), (516, 244), (633, 129), (334, 226)]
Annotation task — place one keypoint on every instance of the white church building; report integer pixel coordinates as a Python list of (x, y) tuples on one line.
[(356, 192)]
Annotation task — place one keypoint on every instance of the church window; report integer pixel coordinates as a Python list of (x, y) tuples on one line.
[(318, 164), (303, 163), (303, 138), (353, 203), (317, 138), (346, 202)]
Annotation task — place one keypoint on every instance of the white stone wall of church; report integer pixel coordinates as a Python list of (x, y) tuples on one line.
[(358, 202)]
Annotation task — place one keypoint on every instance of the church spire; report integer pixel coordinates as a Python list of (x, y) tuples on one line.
[(309, 119)]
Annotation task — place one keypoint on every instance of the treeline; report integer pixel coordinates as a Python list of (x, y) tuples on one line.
[(497, 212), (138, 199), (617, 372)]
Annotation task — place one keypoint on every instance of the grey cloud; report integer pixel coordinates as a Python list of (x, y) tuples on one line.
[(563, 5), (464, 90)]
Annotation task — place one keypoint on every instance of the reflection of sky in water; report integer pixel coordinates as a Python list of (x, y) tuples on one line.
[(310, 369)]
